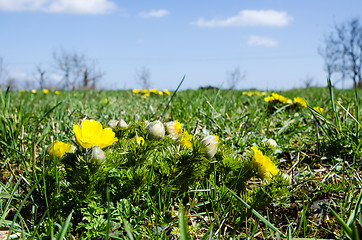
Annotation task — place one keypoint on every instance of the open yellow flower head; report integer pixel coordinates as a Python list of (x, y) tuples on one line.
[(210, 143), (184, 140), (155, 91), (173, 128), (57, 92), (58, 149), (278, 98), (265, 167), (166, 92), (139, 140), (91, 133), (300, 101), (319, 109), (45, 91), (156, 130)]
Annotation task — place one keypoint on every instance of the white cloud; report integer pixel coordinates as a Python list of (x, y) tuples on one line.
[(154, 13), (247, 18), (261, 41), (59, 6)]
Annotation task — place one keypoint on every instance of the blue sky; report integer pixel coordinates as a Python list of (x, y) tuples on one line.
[(274, 42)]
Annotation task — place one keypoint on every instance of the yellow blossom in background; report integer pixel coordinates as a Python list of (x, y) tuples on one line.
[(91, 133), (278, 98), (146, 92), (184, 140), (57, 92), (265, 167), (173, 128), (45, 91), (33, 91), (21, 90), (58, 149), (104, 101), (253, 93), (155, 91), (319, 109), (300, 101), (74, 94)]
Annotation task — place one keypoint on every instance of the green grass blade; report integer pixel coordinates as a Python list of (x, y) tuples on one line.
[(344, 226), (183, 225), (65, 227), (173, 95), (128, 229), (354, 214), (261, 218)]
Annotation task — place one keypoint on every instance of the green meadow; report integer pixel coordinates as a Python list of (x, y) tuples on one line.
[(279, 165)]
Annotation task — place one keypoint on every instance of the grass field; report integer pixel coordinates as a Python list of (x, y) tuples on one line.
[(237, 164)]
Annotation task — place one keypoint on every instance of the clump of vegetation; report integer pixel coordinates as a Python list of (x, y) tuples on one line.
[(212, 164)]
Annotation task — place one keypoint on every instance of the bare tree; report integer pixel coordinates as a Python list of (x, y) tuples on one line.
[(41, 75), (143, 78), (342, 52), (308, 81), (234, 77), (11, 83), (77, 70)]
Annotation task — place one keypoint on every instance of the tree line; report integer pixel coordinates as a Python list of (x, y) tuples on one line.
[(74, 71)]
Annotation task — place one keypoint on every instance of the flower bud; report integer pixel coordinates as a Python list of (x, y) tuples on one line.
[(96, 155), (112, 124), (122, 125), (270, 143), (156, 130), (210, 143)]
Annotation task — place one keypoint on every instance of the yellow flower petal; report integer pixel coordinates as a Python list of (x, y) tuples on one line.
[(91, 133)]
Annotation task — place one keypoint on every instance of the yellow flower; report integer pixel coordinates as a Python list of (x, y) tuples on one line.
[(173, 128), (319, 109), (156, 130), (45, 91), (58, 149), (136, 91), (184, 140), (278, 98), (21, 90), (91, 133), (300, 101), (57, 92), (155, 91), (74, 94), (166, 92), (140, 140), (210, 143), (33, 91), (265, 167)]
